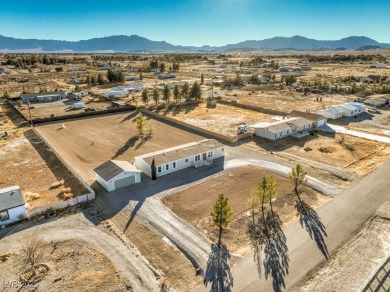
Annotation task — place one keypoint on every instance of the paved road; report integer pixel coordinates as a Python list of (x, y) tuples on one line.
[(341, 129), (341, 217)]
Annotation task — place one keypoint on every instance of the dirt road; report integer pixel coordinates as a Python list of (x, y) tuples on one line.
[(127, 261)]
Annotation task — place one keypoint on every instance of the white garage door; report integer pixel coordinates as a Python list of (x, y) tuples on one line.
[(120, 183)]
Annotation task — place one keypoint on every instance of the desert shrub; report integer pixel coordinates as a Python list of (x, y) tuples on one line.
[(67, 196), (65, 190), (325, 149), (57, 184), (307, 149), (32, 196)]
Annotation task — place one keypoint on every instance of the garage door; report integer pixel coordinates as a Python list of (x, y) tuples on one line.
[(320, 123), (123, 182)]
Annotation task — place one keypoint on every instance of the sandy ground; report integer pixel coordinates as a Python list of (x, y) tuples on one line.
[(87, 143), (237, 185), (353, 263), (59, 108), (356, 155), (222, 119), (27, 162), (80, 255)]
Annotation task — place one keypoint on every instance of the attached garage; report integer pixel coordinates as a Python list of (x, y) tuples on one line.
[(116, 174)]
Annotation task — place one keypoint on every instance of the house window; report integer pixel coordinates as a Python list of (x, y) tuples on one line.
[(275, 135), (166, 166), (223, 149), (288, 132), (174, 164), (159, 169), (4, 216), (197, 157), (210, 154), (186, 160)]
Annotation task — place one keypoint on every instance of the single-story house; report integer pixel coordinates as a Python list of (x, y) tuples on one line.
[(42, 96), (166, 76), (351, 109), (155, 70), (117, 93), (272, 131), (377, 100), (195, 154), (331, 113), (116, 174), (12, 205), (379, 65), (318, 120)]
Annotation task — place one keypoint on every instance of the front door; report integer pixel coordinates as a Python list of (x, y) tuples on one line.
[(204, 156)]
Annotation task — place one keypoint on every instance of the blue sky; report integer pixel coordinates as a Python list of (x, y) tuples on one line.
[(195, 22)]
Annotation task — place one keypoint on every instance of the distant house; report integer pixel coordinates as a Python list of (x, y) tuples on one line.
[(42, 96), (117, 93), (155, 70), (351, 109), (12, 205), (195, 154), (116, 174), (379, 65), (77, 81), (331, 113), (377, 100), (135, 69), (132, 77), (2, 71), (166, 76), (263, 79)]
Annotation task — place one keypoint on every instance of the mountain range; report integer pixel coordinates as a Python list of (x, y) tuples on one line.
[(134, 43)]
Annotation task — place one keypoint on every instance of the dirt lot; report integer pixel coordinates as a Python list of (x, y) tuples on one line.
[(222, 119), (27, 162), (87, 143), (351, 265), (194, 204), (356, 154), (59, 108), (73, 265)]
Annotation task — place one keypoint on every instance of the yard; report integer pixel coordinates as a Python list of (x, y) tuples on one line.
[(222, 119), (194, 204), (26, 161), (87, 143)]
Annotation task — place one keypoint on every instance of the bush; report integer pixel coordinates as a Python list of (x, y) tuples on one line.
[(307, 149), (57, 184), (67, 196), (65, 190)]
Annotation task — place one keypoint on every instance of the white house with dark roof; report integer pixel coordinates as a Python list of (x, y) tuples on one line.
[(195, 154), (116, 174), (12, 205)]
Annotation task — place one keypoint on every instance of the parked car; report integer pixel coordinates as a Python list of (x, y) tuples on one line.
[(374, 110)]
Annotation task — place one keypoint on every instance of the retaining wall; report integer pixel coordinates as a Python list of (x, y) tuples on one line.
[(253, 107)]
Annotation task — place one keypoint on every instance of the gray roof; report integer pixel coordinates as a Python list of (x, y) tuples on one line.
[(40, 94), (10, 198), (181, 152), (113, 168), (310, 116)]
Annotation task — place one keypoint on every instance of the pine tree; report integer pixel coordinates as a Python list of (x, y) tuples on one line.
[(184, 90), (140, 124), (100, 79), (156, 95), (221, 214), (176, 93), (272, 191), (166, 93), (145, 96), (201, 78), (297, 177)]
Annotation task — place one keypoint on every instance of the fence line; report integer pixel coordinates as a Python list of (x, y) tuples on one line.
[(253, 107), (189, 127), (63, 204)]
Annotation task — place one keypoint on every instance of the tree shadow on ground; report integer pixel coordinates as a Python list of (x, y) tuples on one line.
[(144, 139), (276, 259), (129, 117), (218, 272), (268, 238), (310, 220), (130, 143)]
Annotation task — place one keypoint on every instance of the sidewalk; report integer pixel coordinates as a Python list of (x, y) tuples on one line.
[(342, 130)]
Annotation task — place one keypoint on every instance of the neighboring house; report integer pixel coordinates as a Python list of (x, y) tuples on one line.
[(42, 96), (117, 93), (331, 113), (195, 154), (77, 81), (12, 205), (166, 76), (2, 71), (351, 109), (116, 174), (377, 100), (132, 77), (263, 79), (272, 131), (318, 120), (379, 65), (135, 69), (155, 70)]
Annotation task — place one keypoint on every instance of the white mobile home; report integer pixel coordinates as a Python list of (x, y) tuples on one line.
[(351, 109), (42, 96), (116, 174), (331, 113), (117, 93), (316, 119), (195, 154), (12, 205)]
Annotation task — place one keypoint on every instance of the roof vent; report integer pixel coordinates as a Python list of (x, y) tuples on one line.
[(12, 193)]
